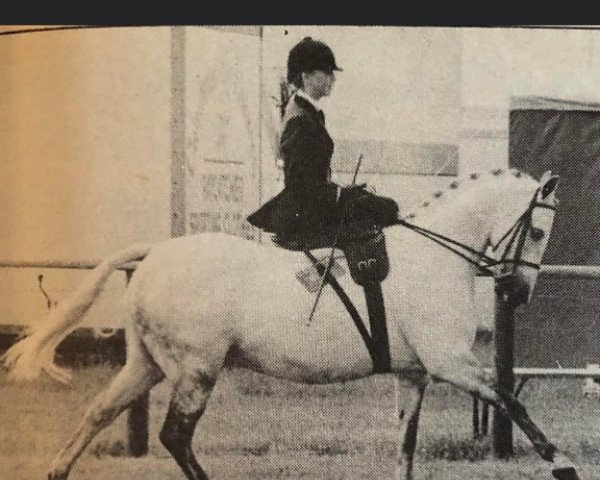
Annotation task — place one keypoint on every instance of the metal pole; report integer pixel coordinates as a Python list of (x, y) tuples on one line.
[(138, 417), (504, 362)]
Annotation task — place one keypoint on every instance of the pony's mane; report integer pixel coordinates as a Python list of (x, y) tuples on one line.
[(465, 182)]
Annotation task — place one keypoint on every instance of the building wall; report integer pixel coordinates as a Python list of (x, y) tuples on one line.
[(85, 151), (222, 129)]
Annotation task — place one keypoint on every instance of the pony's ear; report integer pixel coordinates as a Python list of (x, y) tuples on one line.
[(545, 177), (549, 185)]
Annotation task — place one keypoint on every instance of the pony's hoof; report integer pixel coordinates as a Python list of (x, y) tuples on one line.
[(565, 473)]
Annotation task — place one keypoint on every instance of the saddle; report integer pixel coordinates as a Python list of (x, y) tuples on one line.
[(356, 217), (325, 238), (358, 232), (368, 263), (367, 259)]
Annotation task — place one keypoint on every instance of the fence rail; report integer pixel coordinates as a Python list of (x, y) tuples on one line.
[(61, 264), (590, 272), (557, 372)]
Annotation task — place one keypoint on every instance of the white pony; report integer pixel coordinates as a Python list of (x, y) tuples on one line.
[(200, 302)]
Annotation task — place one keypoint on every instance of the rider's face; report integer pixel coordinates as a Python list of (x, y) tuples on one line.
[(318, 83)]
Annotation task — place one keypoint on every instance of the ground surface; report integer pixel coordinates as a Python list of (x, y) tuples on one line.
[(259, 428)]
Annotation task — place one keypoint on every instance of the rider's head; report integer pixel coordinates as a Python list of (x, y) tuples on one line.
[(311, 64)]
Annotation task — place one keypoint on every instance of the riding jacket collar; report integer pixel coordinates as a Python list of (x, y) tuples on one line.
[(302, 94)]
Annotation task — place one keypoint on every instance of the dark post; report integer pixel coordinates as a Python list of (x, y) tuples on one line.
[(504, 362), (485, 418), (379, 333), (137, 426), (481, 418), (476, 430), (138, 417)]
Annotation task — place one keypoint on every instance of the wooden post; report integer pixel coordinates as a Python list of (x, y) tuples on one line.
[(137, 422), (138, 417), (504, 362)]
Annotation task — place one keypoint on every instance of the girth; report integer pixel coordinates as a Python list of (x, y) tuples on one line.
[(368, 264)]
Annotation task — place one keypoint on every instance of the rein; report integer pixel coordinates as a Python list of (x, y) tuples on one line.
[(519, 232)]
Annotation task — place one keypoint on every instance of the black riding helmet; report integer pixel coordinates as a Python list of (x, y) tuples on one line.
[(307, 56)]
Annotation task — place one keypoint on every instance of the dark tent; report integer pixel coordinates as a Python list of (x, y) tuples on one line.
[(563, 136), (559, 326)]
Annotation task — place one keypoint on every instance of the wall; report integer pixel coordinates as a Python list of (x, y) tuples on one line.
[(85, 151), (222, 129)]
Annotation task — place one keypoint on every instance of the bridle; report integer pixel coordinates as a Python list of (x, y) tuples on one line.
[(517, 234)]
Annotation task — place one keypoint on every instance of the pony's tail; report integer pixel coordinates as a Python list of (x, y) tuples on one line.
[(27, 358)]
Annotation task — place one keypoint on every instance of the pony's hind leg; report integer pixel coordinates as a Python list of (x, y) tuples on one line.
[(409, 399), (137, 377), (188, 402)]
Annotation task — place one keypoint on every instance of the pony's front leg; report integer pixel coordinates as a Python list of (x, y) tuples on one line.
[(464, 371), (564, 469), (409, 399)]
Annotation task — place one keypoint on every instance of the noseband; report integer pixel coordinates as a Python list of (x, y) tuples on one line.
[(517, 233)]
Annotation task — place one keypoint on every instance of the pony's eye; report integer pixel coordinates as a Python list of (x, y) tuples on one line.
[(536, 234)]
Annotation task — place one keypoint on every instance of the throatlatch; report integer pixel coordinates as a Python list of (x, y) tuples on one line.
[(369, 266)]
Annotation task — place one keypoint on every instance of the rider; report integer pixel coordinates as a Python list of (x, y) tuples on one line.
[(310, 202)]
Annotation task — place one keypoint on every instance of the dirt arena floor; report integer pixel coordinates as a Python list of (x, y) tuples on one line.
[(260, 428)]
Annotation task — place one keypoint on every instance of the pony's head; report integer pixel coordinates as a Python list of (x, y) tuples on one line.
[(521, 233)]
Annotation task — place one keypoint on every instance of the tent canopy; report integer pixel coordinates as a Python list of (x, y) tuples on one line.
[(563, 135), (588, 103)]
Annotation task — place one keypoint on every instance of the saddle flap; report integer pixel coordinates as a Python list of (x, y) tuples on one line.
[(367, 260)]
